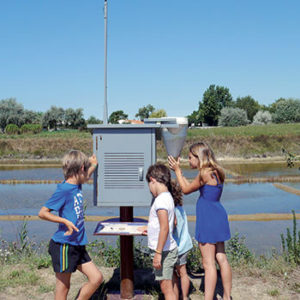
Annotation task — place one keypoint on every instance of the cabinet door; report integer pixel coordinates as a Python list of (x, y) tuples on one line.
[(124, 157)]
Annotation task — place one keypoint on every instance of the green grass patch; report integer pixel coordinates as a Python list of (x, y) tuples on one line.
[(247, 131), (43, 288), (18, 277), (273, 293), (66, 133), (245, 141)]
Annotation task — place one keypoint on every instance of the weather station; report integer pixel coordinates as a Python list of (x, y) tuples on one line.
[(124, 153)]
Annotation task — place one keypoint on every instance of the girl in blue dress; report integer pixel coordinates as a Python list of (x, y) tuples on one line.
[(212, 227)]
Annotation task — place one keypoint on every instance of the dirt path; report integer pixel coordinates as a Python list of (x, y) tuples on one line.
[(256, 286)]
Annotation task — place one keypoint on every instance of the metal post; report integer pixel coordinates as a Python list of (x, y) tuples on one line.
[(105, 115), (126, 243)]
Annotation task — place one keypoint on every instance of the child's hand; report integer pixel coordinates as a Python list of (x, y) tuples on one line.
[(173, 163), (71, 227), (157, 261), (143, 230), (93, 160)]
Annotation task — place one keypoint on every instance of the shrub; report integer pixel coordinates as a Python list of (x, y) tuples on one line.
[(237, 251), (233, 117), (262, 118), (287, 111), (11, 129), (291, 244), (194, 258), (31, 128)]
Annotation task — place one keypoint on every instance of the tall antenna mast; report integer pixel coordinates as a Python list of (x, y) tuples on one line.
[(105, 115)]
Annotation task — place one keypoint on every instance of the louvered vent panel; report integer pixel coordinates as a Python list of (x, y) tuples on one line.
[(121, 170)]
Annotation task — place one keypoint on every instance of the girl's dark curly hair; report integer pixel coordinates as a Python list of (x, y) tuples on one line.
[(162, 174)]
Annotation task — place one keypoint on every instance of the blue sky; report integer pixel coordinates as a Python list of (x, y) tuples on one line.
[(160, 52)]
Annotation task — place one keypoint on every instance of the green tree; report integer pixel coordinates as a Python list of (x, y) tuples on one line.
[(93, 120), (194, 118), (144, 112), (159, 113), (214, 99), (74, 118), (32, 117), (287, 111), (262, 118), (250, 105), (116, 116), (272, 107), (53, 117), (11, 112), (231, 116)]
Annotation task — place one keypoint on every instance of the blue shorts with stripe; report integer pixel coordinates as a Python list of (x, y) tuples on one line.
[(66, 257)]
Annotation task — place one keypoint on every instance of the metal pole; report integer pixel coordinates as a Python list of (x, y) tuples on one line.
[(105, 115)]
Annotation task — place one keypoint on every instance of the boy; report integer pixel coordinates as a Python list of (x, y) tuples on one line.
[(67, 246)]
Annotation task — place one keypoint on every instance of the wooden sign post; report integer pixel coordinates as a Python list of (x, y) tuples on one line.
[(126, 252)]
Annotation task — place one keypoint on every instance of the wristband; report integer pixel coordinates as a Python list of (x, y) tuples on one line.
[(94, 165), (158, 252)]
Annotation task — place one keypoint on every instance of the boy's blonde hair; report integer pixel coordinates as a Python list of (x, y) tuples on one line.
[(207, 159), (72, 163)]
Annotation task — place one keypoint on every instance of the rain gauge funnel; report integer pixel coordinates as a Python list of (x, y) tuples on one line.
[(173, 131)]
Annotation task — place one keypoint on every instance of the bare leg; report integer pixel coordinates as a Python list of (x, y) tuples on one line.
[(62, 285), (166, 287), (176, 284), (225, 269), (208, 252), (95, 278), (184, 280)]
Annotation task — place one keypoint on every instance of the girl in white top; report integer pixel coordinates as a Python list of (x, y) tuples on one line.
[(162, 245)]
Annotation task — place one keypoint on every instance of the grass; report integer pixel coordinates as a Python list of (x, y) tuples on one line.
[(248, 131), (67, 133), (24, 265), (273, 293), (244, 141)]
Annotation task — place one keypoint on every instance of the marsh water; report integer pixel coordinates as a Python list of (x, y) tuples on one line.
[(27, 199)]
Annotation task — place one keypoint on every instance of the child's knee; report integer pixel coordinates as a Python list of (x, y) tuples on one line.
[(181, 271), (209, 264), (62, 289), (166, 286), (221, 258), (97, 279)]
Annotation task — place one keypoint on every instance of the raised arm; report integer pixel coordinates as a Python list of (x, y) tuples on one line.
[(187, 187), (92, 168)]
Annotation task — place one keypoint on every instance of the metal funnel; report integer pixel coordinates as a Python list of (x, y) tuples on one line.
[(173, 132), (174, 137)]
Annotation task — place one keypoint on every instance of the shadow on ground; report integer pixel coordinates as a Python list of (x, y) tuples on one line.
[(145, 284)]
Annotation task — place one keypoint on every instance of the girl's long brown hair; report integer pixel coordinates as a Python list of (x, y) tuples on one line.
[(162, 174), (207, 159)]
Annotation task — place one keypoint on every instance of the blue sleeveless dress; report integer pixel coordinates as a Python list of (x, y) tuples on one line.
[(212, 224)]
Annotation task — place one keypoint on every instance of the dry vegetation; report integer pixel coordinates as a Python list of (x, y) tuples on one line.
[(244, 142)]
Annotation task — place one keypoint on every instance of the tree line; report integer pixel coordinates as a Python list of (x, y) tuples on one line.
[(216, 108), (14, 118)]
